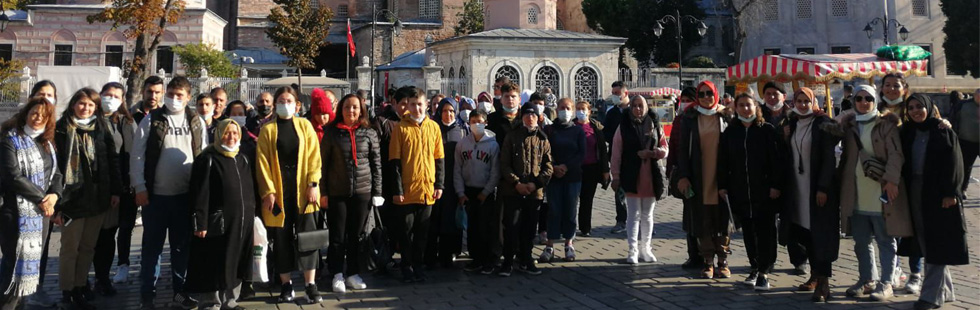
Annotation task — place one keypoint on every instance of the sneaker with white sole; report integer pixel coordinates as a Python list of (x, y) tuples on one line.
[(631, 256), (860, 289), (355, 282), (883, 292), (122, 274), (914, 286), (752, 278), (569, 253), (547, 255), (762, 283), (338, 283)]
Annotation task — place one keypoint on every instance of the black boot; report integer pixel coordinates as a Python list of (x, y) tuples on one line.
[(286, 292), (78, 300), (248, 292), (313, 294)]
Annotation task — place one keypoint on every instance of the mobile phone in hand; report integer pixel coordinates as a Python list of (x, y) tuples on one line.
[(276, 210), (884, 197), (690, 193), (65, 220)]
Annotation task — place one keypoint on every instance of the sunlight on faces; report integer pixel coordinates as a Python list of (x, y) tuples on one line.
[(351, 111), (861, 104), (707, 99), (264, 99), (916, 111), (113, 93), (772, 96), (802, 103), (46, 92), (178, 93), (584, 107), (566, 105), (745, 107), (893, 88), (511, 99), (152, 96), (286, 99), (530, 120), (37, 118), (231, 135), (448, 114), (414, 105), (638, 106), (477, 119), (205, 106), (83, 108), (220, 102)]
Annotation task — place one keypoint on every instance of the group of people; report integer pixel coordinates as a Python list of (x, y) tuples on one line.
[(506, 169)]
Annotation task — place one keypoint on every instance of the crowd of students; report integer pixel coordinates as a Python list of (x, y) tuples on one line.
[(507, 170)]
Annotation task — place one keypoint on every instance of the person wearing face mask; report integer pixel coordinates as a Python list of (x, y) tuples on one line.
[(88, 159), (567, 141), (498, 92), (811, 203), (485, 103), (870, 136), (321, 111), (681, 106), (288, 174), (774, 109), (539, 102), (26, 149), (595, 164), (933, 174), (697, 166), (121, 126), (618, 104), (750, 174), (445, 238), (475, 177), (383, 123), (238, 111), (45, 89), (164, 147), (265, 112), (466, 106), (206, 108), (506, 118), (223, 207)]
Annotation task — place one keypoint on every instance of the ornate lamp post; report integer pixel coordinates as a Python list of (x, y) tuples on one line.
[(677, 20), (885, 22)]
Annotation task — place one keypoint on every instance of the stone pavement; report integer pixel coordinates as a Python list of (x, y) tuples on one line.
[(599, 279)]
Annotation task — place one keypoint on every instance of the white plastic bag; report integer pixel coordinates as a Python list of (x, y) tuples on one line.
[(260, 241)]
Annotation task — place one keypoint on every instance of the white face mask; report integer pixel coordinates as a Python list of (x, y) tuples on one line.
[(478, 128), (486, 106), (417, 119), (779, 105), (707, 111), (83, 121), (580, 115), (747, 119), (239, 119), (615, 100), (50, 100), (509, 110), (808, 112), (232, 148), (285, 110), (208, 116), (110, 104), (683, 105), (33, 133), (465, 114), (173, 105), (565, 115), (539, 108), (447, 124), (892, 102)]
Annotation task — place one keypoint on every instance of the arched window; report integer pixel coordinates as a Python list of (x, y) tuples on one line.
[(548, 76), (559, 25), (462, 81), (532, 15), (509, 72), (586, 84), (451, 81)]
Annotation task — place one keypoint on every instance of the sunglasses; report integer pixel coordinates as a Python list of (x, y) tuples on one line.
[(864, 98), (706, 94)]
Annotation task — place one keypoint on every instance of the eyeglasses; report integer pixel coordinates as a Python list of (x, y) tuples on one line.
[(706, 94), (864, 98)]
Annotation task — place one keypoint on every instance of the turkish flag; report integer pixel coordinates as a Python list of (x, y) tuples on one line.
[(350, 39)]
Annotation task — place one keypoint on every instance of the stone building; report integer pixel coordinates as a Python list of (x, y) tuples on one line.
[(58, 34)]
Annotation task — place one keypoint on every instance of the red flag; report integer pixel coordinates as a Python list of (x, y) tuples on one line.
[(350, 39)]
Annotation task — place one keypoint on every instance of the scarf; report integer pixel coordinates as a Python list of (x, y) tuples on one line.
[(809, 94), (873, 112), (353, 143), (714, 90), (931, 122), (81, 153), (27, 253), (219, 131)]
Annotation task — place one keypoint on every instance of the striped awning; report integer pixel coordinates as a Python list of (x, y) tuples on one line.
[(655, 92), (820, 68)]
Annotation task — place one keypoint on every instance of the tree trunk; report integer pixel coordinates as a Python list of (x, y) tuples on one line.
[(137, 72)]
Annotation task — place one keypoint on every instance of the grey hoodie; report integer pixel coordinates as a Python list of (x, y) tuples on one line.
[(479, 162)]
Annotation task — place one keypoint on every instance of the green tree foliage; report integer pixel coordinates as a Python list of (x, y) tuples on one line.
[(962, 43), (16, 4), (299, 32), (701, 62), (635, 19), (9, 69), (202, 55), (470, 18)]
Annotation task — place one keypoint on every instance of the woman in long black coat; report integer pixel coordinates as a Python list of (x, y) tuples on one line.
[(933, 157), (223, 198)]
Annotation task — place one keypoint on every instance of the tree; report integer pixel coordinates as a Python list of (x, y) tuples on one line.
[(635, 20), (196, 56), (746, 15), (299, 32), (470, 18), (9, 69), (16, 4), (146, 21), (701, 62), (962, 43)]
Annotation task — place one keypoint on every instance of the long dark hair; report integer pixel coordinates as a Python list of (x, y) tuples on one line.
[(364, 120), (85, 93), (20, 119), (42, 83), (759, 120), (123, 111)]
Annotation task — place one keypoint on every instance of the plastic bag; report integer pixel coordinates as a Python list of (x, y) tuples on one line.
[(260, 242), (462, 219), (902, 52)]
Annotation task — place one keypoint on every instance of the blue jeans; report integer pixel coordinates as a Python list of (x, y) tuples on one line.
[(563, 204), (864, 227), (165, 215)]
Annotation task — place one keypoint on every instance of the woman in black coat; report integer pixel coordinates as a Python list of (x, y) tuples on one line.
[(223, 197), (351, 181), (933, 157), (445, 239), (811, 204), (750, 173)]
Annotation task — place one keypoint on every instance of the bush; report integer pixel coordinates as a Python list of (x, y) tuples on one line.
[(701, 62)]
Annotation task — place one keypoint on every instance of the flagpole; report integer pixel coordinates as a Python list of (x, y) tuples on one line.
[(347, 56)]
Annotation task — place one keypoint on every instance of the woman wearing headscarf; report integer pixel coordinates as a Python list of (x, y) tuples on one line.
[(445, 239), (485, 102), (687, 99), (32, 185), (466, 106), (223, 199), (88, 158), (871, 172), (811, 202), (697, 172), (321, 111), (933, 171)]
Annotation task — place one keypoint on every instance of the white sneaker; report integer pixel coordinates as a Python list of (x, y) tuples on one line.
[(355, 282), (338, 283), (631, 256), (647, 256), (914, 286), (122, 274), (139, 221)]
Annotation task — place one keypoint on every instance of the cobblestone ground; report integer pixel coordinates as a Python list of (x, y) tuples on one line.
[(599, 279)]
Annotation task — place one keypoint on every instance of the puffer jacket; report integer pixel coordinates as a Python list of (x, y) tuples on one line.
[(749, 166), (354, 166), (525, 157)]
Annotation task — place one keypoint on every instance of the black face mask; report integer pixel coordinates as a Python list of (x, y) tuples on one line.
[(264, 110)]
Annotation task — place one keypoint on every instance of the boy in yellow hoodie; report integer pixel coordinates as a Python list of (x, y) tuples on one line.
[(416, 154)]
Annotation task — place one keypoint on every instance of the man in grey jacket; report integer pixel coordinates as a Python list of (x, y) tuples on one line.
[(475, 177)]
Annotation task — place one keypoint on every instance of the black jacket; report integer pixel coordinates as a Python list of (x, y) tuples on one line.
[(748, 166), (15, 183), (501, 126), (345, 178), (91, 196), (825, 220), (383, 125), (614, 117)]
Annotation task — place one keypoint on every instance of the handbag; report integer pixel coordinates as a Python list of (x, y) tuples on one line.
[(373, 250), (873, 168), (312, 240)]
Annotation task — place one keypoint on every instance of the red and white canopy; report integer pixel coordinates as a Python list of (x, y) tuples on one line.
[(655, 92), (820, 67)]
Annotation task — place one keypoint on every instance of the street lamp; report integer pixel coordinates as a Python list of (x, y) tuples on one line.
[(677, 19), (396, 30), (885, 22), (242, 60)]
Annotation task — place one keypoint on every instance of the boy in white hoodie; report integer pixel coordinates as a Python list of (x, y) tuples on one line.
[(475, 178)]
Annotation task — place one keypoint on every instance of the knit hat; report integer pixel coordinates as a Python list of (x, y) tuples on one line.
[(529, 109), (320, 104)]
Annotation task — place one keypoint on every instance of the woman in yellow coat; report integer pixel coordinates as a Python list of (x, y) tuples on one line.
[(288, 170)]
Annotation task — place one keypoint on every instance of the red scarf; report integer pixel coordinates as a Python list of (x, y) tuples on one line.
[(353, 145)]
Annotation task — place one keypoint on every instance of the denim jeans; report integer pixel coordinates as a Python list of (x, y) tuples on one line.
[(863, 227), (166, 215), (563, 204)]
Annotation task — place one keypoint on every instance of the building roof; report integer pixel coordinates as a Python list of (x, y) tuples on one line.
[(409, 60), (506, 34), (262, 56)]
